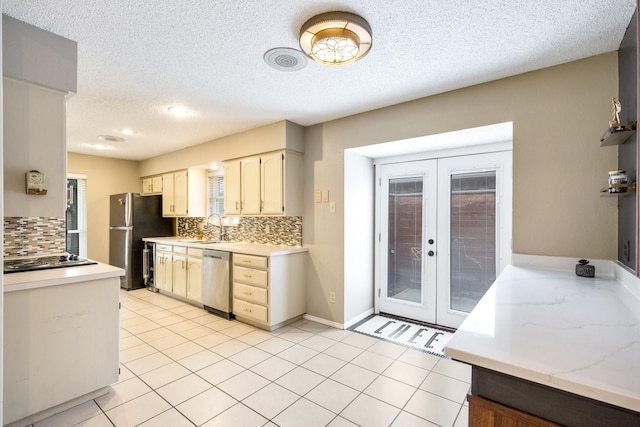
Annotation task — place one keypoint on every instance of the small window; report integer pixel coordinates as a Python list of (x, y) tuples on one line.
[(215, 193), (77, 215)]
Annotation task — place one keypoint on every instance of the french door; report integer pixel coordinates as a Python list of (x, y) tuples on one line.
[(444, 231)]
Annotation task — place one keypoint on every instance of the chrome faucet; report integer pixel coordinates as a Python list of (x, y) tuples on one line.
[(219, 224)]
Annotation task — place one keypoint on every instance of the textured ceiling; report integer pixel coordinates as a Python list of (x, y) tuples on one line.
[(136, 58)]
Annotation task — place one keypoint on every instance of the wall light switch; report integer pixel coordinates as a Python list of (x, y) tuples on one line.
[(318, 196), (325, 196), (332, 207)]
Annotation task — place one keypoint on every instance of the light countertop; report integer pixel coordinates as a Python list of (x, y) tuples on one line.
[(238, 247), (59, 276), (549, 326)]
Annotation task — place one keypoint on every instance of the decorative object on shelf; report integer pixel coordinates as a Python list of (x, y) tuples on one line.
[(618, 181), (618, 132), (35, 183), (583, 269), (616, 107), (336, 38)]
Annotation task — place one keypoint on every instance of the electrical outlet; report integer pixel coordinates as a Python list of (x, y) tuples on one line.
[(332, 297), (332, 207)]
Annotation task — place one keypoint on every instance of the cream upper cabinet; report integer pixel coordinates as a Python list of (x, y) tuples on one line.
[(268, 184), (272, 184), (184, 193), (250, 184), (152, 185), (232, 187)]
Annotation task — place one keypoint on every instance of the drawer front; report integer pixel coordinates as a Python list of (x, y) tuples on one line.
[(250, 276), (250, 260), (250, 293), (165, 248), (179, 249), (194, 252), (251, 311)]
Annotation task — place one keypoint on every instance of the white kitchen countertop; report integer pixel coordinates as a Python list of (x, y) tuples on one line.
[(59, 276), (549, 326), (239, 247)]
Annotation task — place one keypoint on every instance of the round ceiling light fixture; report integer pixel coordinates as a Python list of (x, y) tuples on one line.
[(336, 38), (178, 110)]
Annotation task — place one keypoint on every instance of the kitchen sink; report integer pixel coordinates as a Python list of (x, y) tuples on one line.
[(204, 241)]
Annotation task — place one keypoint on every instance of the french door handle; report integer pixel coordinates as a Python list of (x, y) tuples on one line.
[(431, 253), (392, 251)]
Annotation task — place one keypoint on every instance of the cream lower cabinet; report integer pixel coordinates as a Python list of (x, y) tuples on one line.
[(184, 268), (163, 268), (269, 292), (180, 271), (194, 274)]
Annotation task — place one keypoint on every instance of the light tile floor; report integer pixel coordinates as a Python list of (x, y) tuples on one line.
[(182, 366)]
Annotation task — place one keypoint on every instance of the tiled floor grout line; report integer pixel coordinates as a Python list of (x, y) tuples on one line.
[(146, 302)]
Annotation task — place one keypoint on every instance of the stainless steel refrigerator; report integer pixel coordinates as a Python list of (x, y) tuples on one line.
[(132, 217)]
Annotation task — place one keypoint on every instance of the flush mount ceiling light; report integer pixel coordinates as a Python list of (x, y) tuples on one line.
[(178, 111), (336, 38), (111, 138)]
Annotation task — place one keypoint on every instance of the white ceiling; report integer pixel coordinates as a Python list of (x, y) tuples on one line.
[(136, 58)]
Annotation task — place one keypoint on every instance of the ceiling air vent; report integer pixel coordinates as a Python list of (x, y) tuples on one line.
[(285, 59)]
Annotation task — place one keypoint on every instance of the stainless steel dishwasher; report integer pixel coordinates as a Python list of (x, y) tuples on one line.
[(216, 284)]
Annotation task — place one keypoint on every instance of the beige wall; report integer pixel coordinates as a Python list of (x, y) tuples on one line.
[(275, 136), (34, 130), (558, 117), (105, 176)]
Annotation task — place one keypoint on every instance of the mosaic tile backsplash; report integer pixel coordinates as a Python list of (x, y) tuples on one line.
[(31, 236), (269, 230)]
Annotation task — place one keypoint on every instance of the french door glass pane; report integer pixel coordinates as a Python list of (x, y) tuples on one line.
[(404, 279), (473, 238)]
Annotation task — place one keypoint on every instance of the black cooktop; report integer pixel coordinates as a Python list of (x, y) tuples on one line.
[(44, 263)]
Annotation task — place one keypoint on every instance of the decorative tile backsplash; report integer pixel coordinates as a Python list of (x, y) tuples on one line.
[(32, 236), (270, 230)]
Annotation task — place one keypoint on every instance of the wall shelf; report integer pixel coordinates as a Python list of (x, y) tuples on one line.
[(618, 135), (631, 190)]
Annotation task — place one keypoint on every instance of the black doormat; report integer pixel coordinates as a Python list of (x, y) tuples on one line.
[(427, 338)]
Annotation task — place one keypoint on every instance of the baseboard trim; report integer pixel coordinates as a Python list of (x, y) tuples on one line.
[(323, 321)]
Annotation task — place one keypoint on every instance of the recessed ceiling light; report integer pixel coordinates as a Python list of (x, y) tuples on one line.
[(128, 131), (178, 111), (100, 147), (111, 138)]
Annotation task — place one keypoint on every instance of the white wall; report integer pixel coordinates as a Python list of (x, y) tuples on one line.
[(358, 235)]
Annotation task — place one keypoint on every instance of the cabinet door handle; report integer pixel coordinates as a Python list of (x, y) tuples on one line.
[(248, 293), (247, 261), (237, 205), (248, 310), (248, 276)]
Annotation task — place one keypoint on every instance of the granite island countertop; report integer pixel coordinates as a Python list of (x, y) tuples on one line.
[(549, 326), (238, 247)]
